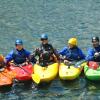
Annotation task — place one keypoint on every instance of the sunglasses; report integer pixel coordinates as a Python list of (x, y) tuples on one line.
[(43, 39), (18, 45), (95, 41)]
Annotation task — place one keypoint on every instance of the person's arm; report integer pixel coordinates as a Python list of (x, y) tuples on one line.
[(30, 57), (81, 54), (90, 55), (9, 57), (55, 53), (27, 53), (63, 51)]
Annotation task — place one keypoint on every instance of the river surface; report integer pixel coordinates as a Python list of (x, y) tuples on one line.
[(60, 19)]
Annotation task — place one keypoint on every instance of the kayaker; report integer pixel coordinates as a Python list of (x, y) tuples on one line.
[(2, 63), (72, 52), (19, 55), (93, 53), (46, 53)]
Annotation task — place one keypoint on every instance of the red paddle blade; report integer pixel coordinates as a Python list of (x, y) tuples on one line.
[(93, 65)]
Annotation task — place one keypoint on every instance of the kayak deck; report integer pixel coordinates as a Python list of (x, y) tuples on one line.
[(45, 74), (22, 73), (69, 72)]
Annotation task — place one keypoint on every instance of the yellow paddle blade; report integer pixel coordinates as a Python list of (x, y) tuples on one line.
[(36, 78)]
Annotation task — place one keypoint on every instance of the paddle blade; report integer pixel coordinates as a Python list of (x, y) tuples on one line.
[(93, 65), (36, 78)]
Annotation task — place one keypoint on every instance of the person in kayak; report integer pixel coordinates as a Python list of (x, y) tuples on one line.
[(2, 63), (46, 53), (93, 53), (19, 55), (71, 52)]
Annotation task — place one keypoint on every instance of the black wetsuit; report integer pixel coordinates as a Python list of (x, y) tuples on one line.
[(45, 53)]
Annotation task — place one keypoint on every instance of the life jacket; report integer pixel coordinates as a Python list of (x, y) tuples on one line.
[(46, 53), (19, 57), (73, 54)]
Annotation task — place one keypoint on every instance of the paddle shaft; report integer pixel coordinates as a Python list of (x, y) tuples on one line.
[(79, 63), (24, 69), (76, 64)]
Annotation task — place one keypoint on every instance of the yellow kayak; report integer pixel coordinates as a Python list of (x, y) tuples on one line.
[(69, 72), (45, 74)]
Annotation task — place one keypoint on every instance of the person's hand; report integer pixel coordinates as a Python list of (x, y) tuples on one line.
[(66, 62), (37, 51), (12, 64), (96, 54), (26, 63), (62, 57), (2, 69), (37, 62)]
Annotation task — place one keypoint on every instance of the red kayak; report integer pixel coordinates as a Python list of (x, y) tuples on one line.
[(6, 77), (23, 73)]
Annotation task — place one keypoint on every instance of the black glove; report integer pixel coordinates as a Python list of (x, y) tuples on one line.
[(32, 58), (37, 51), (97, 54)]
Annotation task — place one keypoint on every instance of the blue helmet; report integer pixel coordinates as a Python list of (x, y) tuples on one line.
[(18, 42), (44, 36)]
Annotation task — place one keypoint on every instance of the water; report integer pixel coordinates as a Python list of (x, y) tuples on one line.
[(60, 19)]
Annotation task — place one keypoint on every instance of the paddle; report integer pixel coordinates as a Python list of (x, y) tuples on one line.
[(80, 63), (21, 66), (76, 64)]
